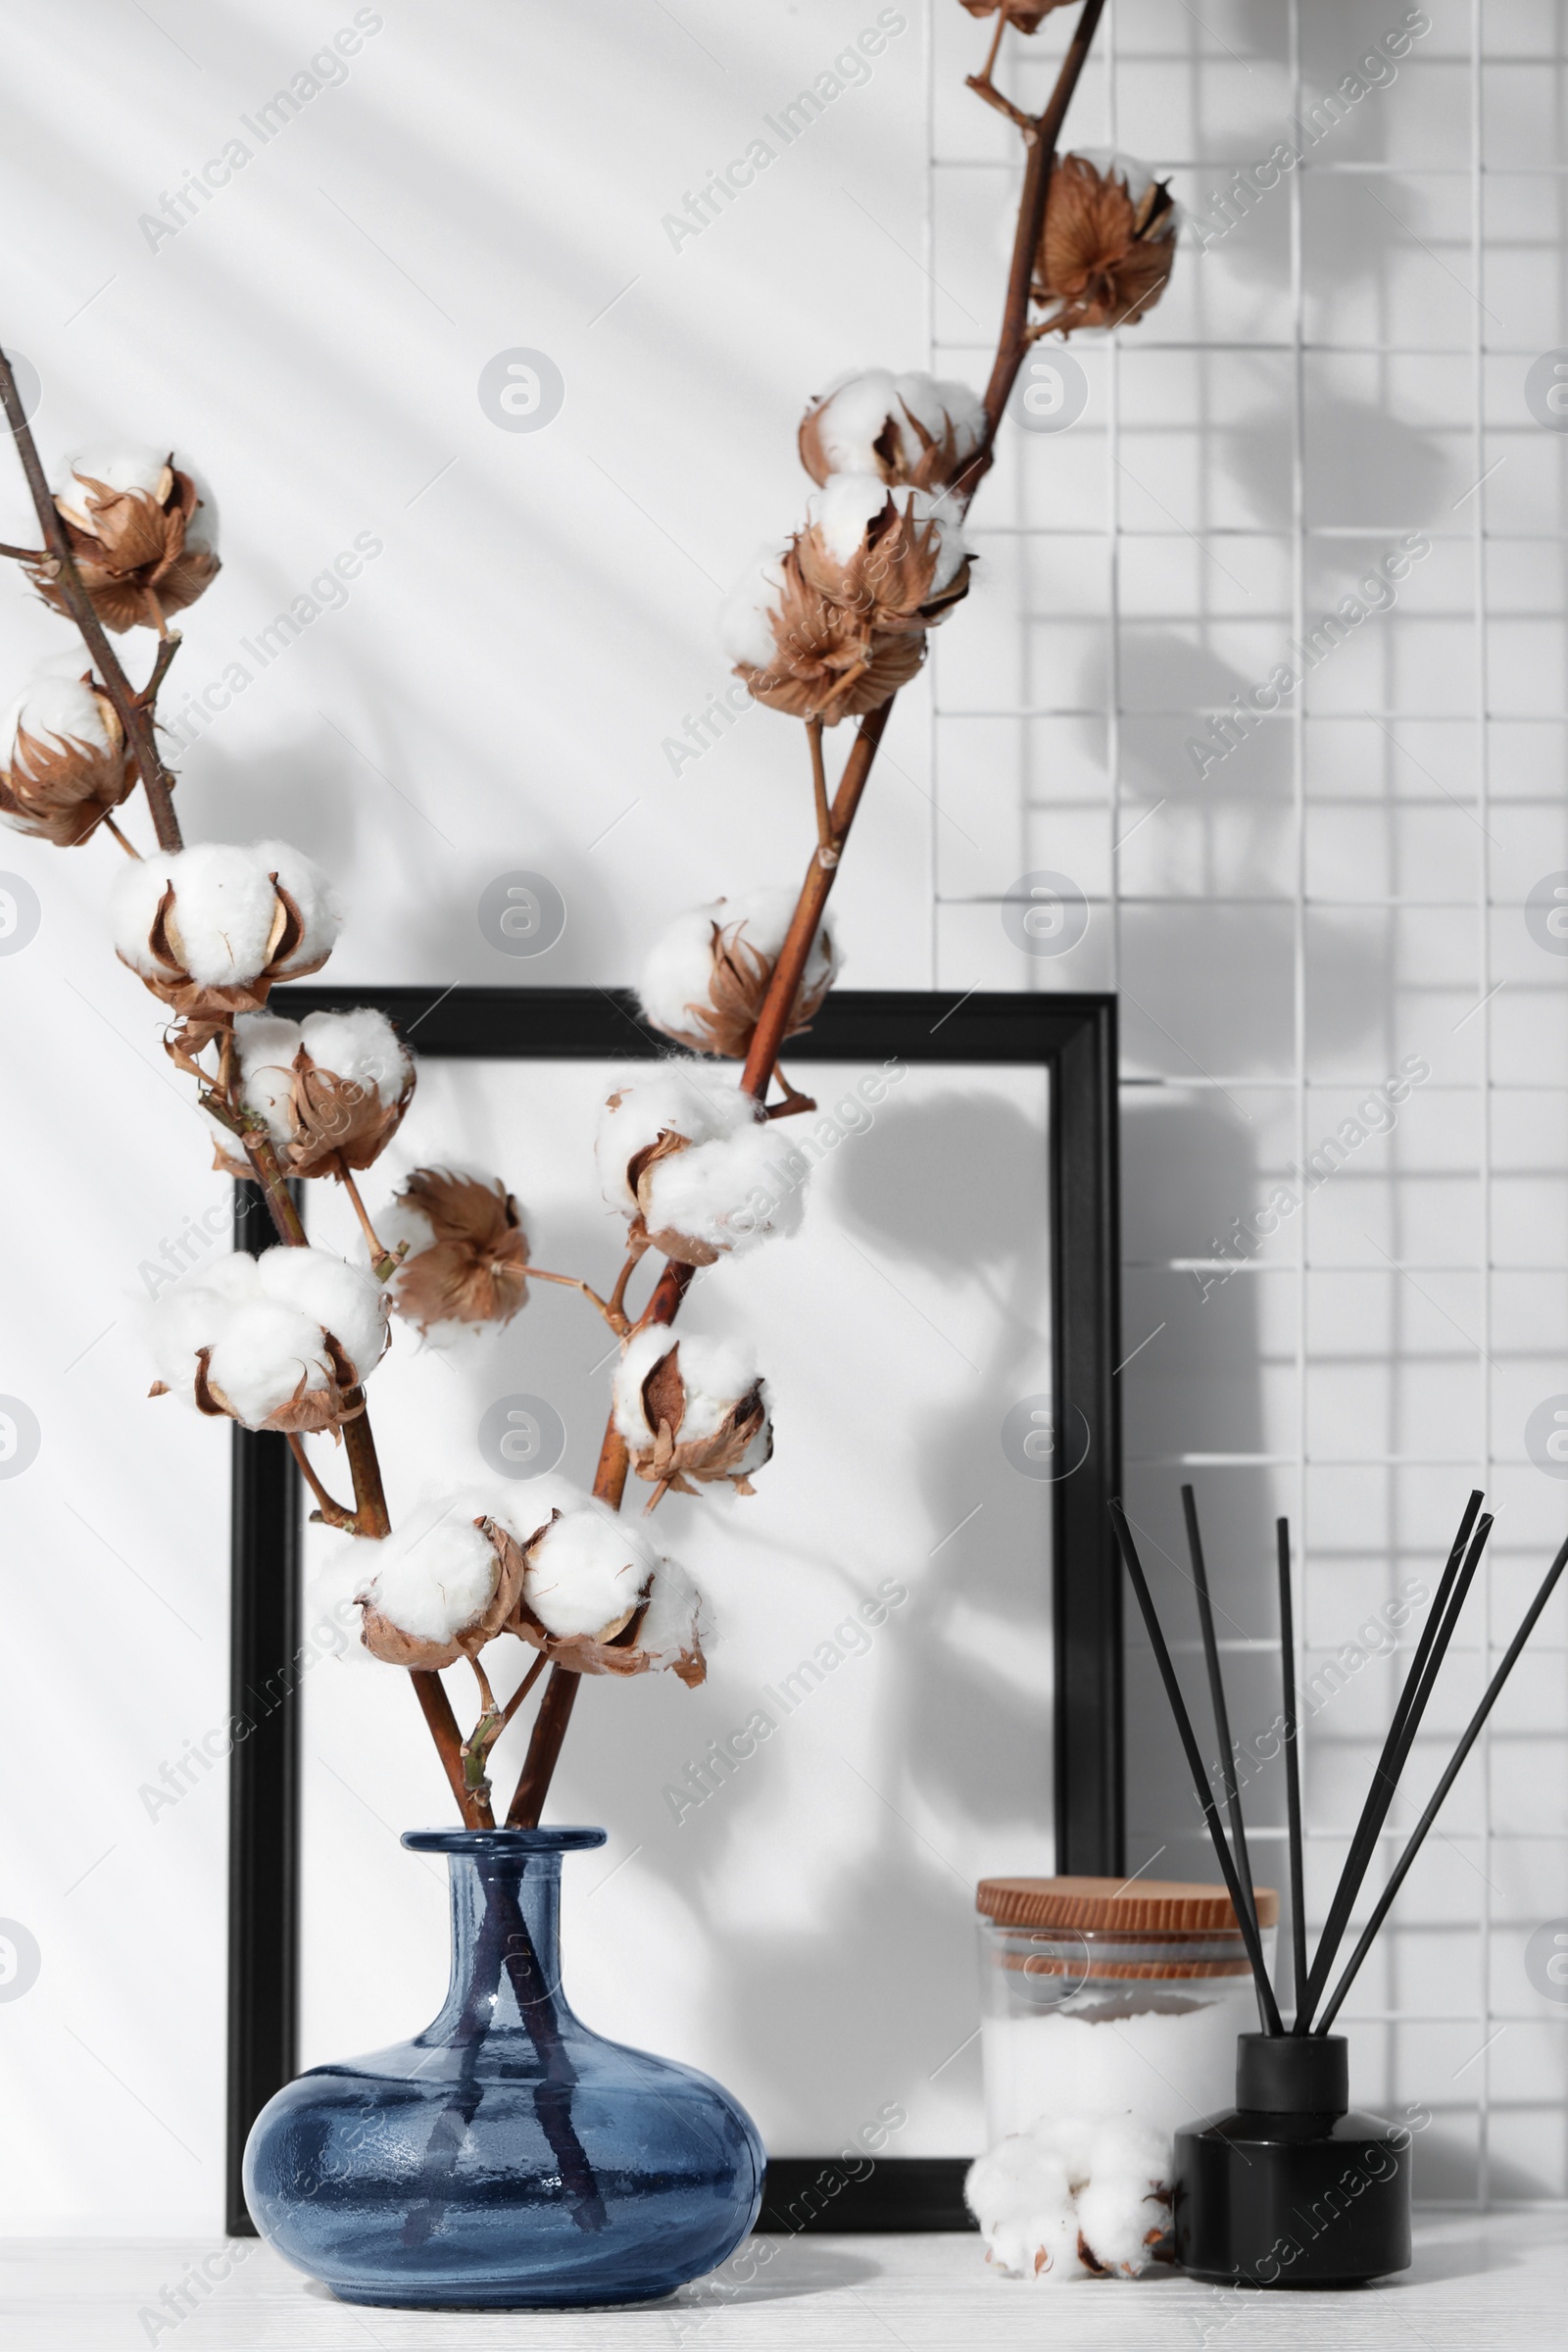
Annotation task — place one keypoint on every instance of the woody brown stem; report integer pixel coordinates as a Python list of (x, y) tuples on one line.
[(610, 1313), (149, 597), (430, 1692), (371, 1516), (261, 1153), (828, 849), (521, 1691), (167, 647), (135, 716), (332, 1514), (380, 1257), (23, 555), (634, 1258)]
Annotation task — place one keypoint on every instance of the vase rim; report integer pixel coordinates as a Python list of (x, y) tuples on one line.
[(563, 1840)]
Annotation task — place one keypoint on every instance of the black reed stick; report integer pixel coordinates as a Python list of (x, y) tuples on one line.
[(1292, 1771), (1472, 1733), (1216, 1694), (1434, 1636), (1267, 2006)]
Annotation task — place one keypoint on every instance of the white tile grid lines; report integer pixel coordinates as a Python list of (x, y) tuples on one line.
[(1041, 698)]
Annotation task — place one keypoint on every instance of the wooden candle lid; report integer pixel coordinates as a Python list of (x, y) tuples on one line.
[(1141, 1907)]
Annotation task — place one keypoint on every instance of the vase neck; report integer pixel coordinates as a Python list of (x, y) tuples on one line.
[(506, 1948)]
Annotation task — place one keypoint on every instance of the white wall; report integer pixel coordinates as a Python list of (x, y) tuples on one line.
[(496, 694)]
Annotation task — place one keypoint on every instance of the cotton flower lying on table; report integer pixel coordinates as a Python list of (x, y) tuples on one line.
[(440, 1585), (835, 623), (693, 1166), (65, 764), (210, 928), (275, 1342), (1073, 2197), (465, 1255), (911, 429), (691, 1409), (707, 977), (143, 537), (1108, 241), (332, 1089)]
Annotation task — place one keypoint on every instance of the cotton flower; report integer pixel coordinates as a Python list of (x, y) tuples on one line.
[(1027, 15), (210, 928), (467, 1251), (65, 760), (1107, 244), (1073, 2198), (691, 1409), (142, 536), (707, 977), (907, 429), (835, 623), (597, 1598), (275, 1342), (689, 1161), (331, 1089), (440, 1585)]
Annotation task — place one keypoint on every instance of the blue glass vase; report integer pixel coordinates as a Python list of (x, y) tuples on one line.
[(505, 2157)]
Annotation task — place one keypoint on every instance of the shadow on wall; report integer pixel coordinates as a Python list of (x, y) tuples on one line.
[(953, 1185)]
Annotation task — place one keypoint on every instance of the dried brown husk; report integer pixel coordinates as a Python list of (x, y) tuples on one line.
[(304, 1414), (473, 1272), (829, 662), (681, 1466), (1027, 15), (394, 1648), (887, 580), (136, 543), (684, 1248), (939, 463), (61, 787), (1102, 259), (339, 1120), (202, 1001), (725, 1021)]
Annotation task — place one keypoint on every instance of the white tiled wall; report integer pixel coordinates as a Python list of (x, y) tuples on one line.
[(1345, 889)]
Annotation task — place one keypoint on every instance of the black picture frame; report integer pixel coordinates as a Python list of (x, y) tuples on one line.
[(1075, 1038)]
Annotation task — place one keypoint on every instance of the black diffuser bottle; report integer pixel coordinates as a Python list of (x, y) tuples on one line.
[(1290, 2188)]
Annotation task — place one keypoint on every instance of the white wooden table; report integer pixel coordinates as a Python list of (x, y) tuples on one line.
[(1497, 2284)]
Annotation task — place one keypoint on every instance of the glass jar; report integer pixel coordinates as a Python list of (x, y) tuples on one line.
[(1099, 1997)]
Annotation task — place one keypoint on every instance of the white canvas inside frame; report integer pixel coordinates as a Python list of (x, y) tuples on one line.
[(805, 1932)]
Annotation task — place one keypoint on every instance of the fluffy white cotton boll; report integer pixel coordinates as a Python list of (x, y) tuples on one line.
[(1021, 2195), (434, 1575), (124, 467), (226, 907), (674, 1098), (55, 711), (362, 1048), (262, 1350), (731, 1194), (183, 1320), (1127, 2160), (715, 1373), (265, 1044), (680, 964), (853, 415), (346, 1301), (676, 1622), (745, 626), (847, 502), (588, 1571)]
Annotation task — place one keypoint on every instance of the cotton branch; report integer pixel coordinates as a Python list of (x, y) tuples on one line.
[(136, 713)]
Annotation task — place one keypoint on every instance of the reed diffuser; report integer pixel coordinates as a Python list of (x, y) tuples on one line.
[(1292, 2188)]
